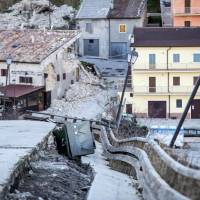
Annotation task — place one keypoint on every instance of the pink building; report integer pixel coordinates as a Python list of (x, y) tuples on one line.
[(186, 12)]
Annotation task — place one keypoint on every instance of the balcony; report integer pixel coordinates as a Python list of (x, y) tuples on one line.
[(163, 90), (171, 67), (182, 11)]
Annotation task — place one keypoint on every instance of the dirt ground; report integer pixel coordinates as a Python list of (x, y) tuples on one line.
[(54, 177)]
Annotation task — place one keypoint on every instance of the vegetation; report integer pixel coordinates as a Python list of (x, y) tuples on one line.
[(153, 6)]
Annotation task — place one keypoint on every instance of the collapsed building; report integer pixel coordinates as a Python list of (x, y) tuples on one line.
[(37, 14)]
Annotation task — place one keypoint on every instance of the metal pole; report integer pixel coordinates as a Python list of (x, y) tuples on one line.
[(185, 113), (124, 88), (49, 15)]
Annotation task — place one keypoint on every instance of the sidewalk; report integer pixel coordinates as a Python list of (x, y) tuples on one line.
[(109, 184), (17, 140)]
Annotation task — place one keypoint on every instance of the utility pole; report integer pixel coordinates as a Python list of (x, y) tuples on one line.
[(49, 15)]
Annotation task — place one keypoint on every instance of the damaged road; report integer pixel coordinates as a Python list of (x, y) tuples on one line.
[(55, 177)]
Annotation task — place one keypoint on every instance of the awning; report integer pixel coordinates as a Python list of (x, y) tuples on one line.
[(15, 91)]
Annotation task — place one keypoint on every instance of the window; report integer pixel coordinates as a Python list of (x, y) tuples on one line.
[(69, 50), (118, 50), (152, 84), (176, 58), (195, 78), (45, 75), (129, 109), (176, 80), (23, 79), (72, 82), (131, 94), (64, 76), (179, 103), (3, 72), (58, 77), (196, 57), (187, 23), (88, 27), (122, 28), (152, 60)]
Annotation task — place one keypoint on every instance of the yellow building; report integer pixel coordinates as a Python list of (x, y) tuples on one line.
[(165, 73)]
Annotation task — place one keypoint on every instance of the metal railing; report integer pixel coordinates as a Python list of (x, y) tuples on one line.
[(163, 89), (171, 66), (186, 10)]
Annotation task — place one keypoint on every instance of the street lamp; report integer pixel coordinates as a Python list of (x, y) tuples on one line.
[(8, 62), (131, 61)]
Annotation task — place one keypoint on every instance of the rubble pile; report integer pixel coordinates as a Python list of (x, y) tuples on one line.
[(83, 100), (35, 14), (53, 176)]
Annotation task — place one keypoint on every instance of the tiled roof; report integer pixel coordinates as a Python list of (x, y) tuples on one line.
[(94, 9), (32, 46), (166, 37), (127, 9)]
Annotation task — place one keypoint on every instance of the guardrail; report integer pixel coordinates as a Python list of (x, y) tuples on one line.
[(162, 176)]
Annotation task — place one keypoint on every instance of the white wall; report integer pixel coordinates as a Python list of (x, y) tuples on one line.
[(100, 31)]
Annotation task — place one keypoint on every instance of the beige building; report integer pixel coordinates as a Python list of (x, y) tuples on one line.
[(165, 72)]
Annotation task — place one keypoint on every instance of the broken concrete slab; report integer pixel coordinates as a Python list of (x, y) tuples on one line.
[(19, 141)]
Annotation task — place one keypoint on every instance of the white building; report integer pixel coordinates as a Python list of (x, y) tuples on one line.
[(107, 26), (39, 59)]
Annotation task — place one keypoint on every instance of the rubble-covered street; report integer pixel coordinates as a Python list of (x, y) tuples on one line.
[(54, 177)]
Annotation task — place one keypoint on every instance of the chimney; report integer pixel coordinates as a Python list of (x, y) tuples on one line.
[(111, 4), (22, 27), (32, 39)]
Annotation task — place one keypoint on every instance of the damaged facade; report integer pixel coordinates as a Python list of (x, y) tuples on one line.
[(43, 59), (107, 26)]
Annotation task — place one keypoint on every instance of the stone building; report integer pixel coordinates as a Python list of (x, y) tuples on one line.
[(39, 62), (107, 27)]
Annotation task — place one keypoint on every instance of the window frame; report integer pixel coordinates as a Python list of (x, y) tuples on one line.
[(176, 58), (4, 72), (179, 103), (26, 79), (58, 77), (89, 27), (120, 25), (176, 83), (195, 79), (194, 59), (64, 76), (152, 65)]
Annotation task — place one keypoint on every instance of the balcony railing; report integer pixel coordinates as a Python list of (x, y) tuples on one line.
[(163, 89), (186, 10), (171, 66)]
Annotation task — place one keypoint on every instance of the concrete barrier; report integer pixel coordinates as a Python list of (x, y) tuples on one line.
[(144, 156)]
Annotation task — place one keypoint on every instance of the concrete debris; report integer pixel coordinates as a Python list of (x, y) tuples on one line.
[(53, 177), (35, 14), (83, 100)]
